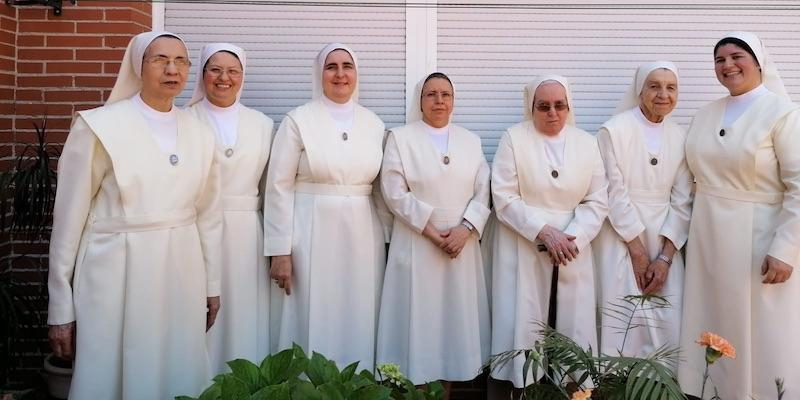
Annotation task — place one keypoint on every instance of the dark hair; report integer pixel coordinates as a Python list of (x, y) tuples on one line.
[(738, 43), (221, 51), (434, 75)]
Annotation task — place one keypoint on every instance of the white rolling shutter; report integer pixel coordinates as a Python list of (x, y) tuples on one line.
[(491, 52), (282, 41)]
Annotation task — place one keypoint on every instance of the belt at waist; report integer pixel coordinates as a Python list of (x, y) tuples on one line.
[(241, 203), (452, 215), (142, 223), (740, 195), (649, 196), (333, 190)]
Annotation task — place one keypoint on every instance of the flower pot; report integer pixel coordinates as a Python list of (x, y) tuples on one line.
[(58, 375)]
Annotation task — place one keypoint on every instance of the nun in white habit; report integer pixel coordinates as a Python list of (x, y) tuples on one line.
[(434, 319), (243, 138), (649, 196), (744, 238), (134, 253), (322, 227), (548, 187)]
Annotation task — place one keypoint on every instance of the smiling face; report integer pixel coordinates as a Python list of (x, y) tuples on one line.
[(736, 69), (659, 94), (437, 102), (553, 96), (222, 78), (164, 81), (339, 77)]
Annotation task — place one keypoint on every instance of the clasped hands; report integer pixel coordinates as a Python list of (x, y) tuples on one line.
[(560, 246), (451, 241)]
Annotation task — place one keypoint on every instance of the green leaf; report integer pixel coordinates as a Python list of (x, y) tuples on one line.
[(276, 367), (373, 392), (349, 371), (234, 388), (273, 392), (247, 372), (176, 397), (304, 390), (321, 370), (333, 391), (214, 392)]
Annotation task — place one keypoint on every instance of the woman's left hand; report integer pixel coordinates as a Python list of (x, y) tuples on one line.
[(455, 239), (775, 271), (656, 276), (213, 307)]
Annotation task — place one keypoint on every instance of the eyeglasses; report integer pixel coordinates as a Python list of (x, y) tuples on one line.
[(545, 107), (164, 61), (434, 94), (216, 72)]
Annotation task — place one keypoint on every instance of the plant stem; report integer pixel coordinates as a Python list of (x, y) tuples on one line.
[(628, 326), (705, 379)]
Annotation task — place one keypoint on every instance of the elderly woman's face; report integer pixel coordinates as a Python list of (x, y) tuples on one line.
[(736, 69), (339, 76), (165, 68), (550, 108), (659, 94), (222, 78), (437, 102)]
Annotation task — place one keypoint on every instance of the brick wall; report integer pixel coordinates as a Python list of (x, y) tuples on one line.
[(55, 65)]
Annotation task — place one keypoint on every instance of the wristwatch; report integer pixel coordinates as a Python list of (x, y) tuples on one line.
[(468, 225), (663, 257)]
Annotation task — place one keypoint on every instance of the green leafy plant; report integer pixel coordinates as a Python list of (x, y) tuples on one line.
[(563, 367), (291, 375), (27, 194)]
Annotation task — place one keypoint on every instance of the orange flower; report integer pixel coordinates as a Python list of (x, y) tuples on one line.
[(717, 343), (582, 395)]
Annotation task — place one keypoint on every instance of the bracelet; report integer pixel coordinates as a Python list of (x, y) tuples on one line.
[(468, 225), (665, 259)]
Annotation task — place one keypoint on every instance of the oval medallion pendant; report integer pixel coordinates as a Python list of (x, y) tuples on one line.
[(446, 160), (173, 159), (653, 161), (344, 135), (554, 174), (228, 152)]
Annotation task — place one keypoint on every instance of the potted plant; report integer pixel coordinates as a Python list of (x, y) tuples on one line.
[(27, 195), (291, 375)]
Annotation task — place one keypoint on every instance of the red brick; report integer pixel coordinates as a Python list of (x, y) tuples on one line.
[(6, 94), (8, 24), (6, 123), (6, 151), (7, 50), (74, 67), (95, 81), (30, 67), (24, 40), (52, 124), (7, 64), (6, 79), (72, 95), (7, 37), (86, 106), (74, 41), (45, 54), (44, 81), (129, 15), (39, 109), (31, 13), (116, 41), (6, 108), (80, 13), (108, 27), (99, 54), (47, 26), (29, 95), (111, 67)]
